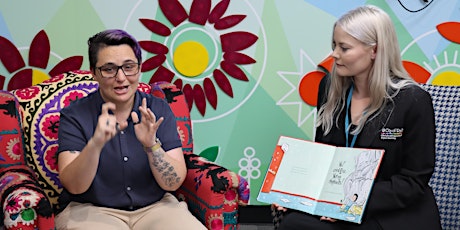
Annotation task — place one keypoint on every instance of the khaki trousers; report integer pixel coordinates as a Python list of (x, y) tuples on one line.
[(167, 213)]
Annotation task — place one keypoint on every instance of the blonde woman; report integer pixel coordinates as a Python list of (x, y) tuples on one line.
[(369, 101)]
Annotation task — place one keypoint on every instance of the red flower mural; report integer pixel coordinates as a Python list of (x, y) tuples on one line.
[(193, 55), (27, 75)]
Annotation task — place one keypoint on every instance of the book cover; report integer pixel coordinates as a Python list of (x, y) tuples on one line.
[(321, 179)]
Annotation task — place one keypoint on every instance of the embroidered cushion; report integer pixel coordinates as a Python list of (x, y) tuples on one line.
[(39, 109), (11, 150)]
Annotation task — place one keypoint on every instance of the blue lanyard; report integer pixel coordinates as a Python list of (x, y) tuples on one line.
[(347, 120)]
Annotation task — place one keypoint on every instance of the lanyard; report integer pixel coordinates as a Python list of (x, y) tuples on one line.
[(347, 120)]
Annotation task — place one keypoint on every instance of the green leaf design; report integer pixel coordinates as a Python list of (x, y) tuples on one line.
[(210, 153)]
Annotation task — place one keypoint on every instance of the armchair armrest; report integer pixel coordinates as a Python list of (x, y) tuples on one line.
[(213, 193), (25, 205)]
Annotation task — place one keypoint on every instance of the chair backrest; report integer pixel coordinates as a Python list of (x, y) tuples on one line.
[(11, 146), (39, 108), (446, 177)]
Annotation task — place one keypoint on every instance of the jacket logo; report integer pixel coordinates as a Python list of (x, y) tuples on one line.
[(391, 134)]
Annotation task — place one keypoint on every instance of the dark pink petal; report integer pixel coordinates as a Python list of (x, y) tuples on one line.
[(199, 98), (223, 82), (218, 11), (236, 41), (154, 47), (178, 82), (228, 21), (199, 11), (233, 70), (153, 62), (238, 58), (10, 56), (188, 93), (162, 74), (2, 81), (39, 53), (21, 79), (68, 64), (210, 92), (156, 27), (173, 11)]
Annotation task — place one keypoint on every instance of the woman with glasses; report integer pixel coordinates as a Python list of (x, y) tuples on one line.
[(119, 153)]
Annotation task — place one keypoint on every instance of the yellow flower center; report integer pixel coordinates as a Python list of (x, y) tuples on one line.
[(190, 58)]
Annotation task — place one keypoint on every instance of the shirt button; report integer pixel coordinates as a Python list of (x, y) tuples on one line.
[(125, 159), (122, 132), (128, 188)]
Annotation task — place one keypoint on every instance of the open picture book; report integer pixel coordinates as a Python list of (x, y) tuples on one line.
[(321, 179)]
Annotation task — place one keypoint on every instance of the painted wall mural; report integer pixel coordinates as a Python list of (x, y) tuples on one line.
[(248, 68)]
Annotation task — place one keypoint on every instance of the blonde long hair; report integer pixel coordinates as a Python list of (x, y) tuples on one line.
[(371, 26)]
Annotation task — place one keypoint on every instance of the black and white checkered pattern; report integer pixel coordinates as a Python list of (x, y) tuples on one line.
[(446, 178)]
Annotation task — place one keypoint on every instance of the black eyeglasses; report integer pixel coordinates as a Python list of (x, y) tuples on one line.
[(111, 70)]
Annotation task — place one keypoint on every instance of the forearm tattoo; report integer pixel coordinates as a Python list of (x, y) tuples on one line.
[(167, 171)]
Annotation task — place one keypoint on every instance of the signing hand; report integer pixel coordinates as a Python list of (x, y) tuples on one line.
[(146, 129), (107, 125)]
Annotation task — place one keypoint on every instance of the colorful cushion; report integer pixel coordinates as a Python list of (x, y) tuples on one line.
[(39, 109), (25, 205), (11, 150)]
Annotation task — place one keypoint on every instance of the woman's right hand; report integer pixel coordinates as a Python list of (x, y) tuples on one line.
[(278, 207)]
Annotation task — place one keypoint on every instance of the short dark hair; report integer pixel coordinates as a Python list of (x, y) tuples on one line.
[(111, 37)]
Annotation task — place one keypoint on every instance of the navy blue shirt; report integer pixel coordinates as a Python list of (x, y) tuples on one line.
[(123, 179)]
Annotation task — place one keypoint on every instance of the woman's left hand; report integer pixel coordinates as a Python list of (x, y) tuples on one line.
[(146, 129), (323, 218)]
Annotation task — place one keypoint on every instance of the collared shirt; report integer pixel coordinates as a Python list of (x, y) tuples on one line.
[(124, 179)]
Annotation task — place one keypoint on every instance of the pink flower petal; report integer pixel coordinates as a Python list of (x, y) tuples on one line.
[(199, 98), (2, 81), (156, 27), (210, 92), (188, 93), (236, 41), (10, 56), (68, 64), (178, 82), (199, 11), (238, 58), (173, 11), (21, 79), (228, 22), (153, 62), (154, 47), (39, 53), (162, 74), (223, 82), (218, 11), (233, 70)]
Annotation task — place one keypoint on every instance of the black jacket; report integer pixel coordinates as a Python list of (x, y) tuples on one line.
[(401, 197)]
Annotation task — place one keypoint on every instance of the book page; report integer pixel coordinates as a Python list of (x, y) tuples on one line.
[(349, 182), (303, 170)]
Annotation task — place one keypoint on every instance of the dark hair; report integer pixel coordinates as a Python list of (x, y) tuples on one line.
[(111, 37)]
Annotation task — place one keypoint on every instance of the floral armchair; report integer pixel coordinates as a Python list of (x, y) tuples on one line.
[(29, 183)]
